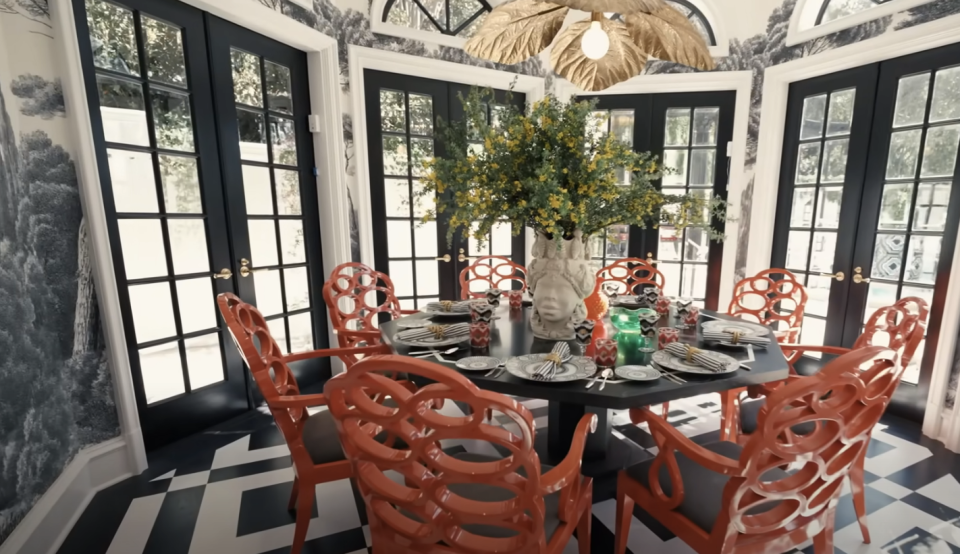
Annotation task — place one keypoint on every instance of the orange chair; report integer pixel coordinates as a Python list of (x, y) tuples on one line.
[(491, 272), (632, 273), (316, 453), (723, 498), (463, 502), (351, 295)]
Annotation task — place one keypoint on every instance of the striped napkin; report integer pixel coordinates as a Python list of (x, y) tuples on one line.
[(695, 355), (435, 332), (735, 337), (558, 354), (450, 306)]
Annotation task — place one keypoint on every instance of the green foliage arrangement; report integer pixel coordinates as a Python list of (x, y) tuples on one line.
[(549, 169)]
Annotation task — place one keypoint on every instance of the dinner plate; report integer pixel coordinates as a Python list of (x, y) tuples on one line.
[(574, 369), (668, 361), (744, 327), (637, 373), (452, 315), (414, 323), (429, 343), (478, 363)]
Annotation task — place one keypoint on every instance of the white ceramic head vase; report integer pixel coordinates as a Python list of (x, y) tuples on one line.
[(560, 278)]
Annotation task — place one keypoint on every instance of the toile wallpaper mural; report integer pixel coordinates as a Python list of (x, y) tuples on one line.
[(56, 394)]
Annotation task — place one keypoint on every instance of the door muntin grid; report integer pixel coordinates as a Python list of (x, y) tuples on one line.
[(818, 182), (918, 180), (690, 149), (147, 111), (278, 263), (407, 127), (614, 245)]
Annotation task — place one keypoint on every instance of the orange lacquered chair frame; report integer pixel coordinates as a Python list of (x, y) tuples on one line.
[(429, 514), (631, 273), (495, 273)]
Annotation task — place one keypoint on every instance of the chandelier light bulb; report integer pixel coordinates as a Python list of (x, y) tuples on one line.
[(595, 42)]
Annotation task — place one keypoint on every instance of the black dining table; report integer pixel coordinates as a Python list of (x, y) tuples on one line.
[(511, 336)]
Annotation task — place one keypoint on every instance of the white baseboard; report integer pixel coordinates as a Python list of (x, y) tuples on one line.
[(47, 524)]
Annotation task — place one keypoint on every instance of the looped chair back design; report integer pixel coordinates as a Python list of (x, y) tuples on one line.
[(352, 294), (491, 272), (773, 297), (630, 275), (900, 327), (429, 510), (841, 404)]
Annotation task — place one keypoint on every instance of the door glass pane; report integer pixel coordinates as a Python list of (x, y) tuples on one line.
[(421, 114), (396, 196), (164, 52), (705, 123), (395, 156), (828, 207), (501, 240), (142, 244), (677, 127), (677, 161), (818, 291), (253, 135), (834, 161), (670, 244), (425, 239), (195, 301), (694, 281), (283, 141), (812, 332), (256, 190), (621, 125), (702, 165), (922, 259), (133, 190), (904, 151), (181, 185), (940, 151), (808, 160), (798, 245), (291, 241), (152, 310), (814, 108), (188, 246), (171, 119), (288, 192), (822, 253), (841, 112), (911, 100), (301, 332), (671, 278), (946, 95), (267, 288), (895, 206), (112, 37), (801, 214), (263, 243), (697, 245), (393, 115), (887, 256), (204, 360), (428, 278), (879, 296), (123, 111), (421, 150), (399, 244), (246, 78), (912, 373), (401, 273), (278, 331), (932, 202), (296, 288), (162, 372), (279, 91)]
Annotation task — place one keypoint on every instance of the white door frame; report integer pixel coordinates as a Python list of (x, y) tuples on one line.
[(737, 81), (362, 58), (773, 118), (322, 62)]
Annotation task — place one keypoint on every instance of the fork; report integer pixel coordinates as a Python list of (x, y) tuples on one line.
[(495, 372)]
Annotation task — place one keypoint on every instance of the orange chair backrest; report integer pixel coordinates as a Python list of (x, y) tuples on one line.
[(424, 512), (633, 274), (844, 401), (773, 297), (491, 272), (272, 375), (351, 295), (900, 327)]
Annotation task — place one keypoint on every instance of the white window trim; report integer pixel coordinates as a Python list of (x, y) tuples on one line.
[(739, 81), (937, 422), (323, 69), (803, 21), (362, 58)]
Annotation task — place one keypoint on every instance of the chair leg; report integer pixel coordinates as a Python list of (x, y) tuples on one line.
[(730, 415), (583, 530), (665, 409), (304, 511), (858, 488), (292, 504), (823, 542), (624, 518)]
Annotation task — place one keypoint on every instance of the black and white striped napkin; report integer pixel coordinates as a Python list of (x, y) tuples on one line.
[(694, 355), (435, 332), (735, 338), (460, 307), (558, 354)]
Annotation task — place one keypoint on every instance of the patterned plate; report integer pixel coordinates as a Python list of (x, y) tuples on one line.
[(478, 363), (414, 323), (430, 343), (451, 315), (637, 373), (746, 328), (664, 359), (575, 369)]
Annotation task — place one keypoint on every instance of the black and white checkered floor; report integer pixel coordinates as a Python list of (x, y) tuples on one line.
[(226, 491)]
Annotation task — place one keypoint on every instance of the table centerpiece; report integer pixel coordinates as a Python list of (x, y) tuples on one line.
[(554, 168)]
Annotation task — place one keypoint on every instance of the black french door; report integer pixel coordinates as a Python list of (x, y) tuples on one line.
[(690, 132), (402, 114), (865, 212), (206, 167)]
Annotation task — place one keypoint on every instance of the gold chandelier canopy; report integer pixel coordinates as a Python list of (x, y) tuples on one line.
[(517, 30)]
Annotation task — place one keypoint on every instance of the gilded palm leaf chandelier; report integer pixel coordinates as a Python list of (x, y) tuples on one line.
[(593, 54)]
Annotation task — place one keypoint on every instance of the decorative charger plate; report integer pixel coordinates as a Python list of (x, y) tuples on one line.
[(637, 373), (574, 369), (429, 343), (746, 328), (478, 363), (414, 323), (662, 358)]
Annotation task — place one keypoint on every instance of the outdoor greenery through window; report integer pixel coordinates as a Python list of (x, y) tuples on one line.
[(450, 17), (832, 10)]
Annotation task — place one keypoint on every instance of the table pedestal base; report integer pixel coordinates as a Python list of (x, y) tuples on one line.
[(604, 454)]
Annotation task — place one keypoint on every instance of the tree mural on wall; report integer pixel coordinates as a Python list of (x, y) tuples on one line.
[(36, 11), (929, 12), (39, 96)]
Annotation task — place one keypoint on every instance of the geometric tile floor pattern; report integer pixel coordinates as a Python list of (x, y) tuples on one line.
[(226, 490)]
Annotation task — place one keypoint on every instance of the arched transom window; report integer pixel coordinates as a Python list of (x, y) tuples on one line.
[(696, 17), (832, 10), (459, 18)]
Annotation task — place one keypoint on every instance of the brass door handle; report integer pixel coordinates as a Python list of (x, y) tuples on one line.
[(858, 278), (444, 258), (650, 259), (461, 258), (246, 271), (839, 276), (224, 274)]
